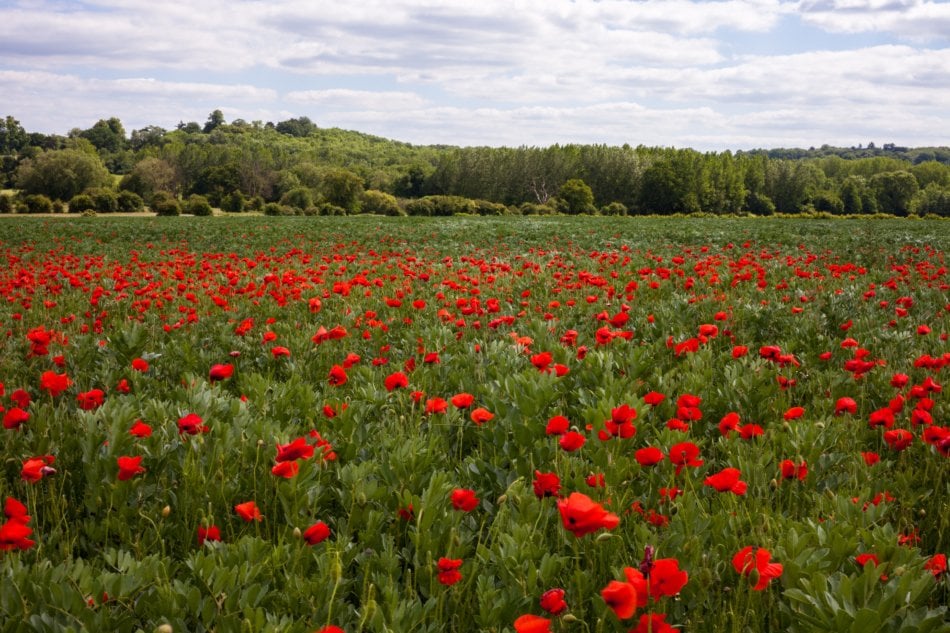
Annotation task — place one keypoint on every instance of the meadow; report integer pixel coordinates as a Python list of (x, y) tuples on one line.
[(474, 424)]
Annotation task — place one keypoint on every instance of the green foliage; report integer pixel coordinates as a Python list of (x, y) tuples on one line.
[(197, 205), (233, 202), (165, 204), (7, 204), (130, 202), (300, 198), (932, 199), (106, 200), (36, 203), (614, 208), (894, 191), (380, 203), (215, 121), (61, 174), (342, 188), (81, 202), (300, 127), (149, 176), (107, 135), (576, 196), (13, 137)]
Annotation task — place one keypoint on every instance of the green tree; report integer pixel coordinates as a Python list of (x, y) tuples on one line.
[(299, 127), (165, 204), (894, 190), (380, 203), (215, 120), (932, 199), (577, 196), (151, 175), (61, 174), (197, 205), (107, 135), (343, 188), (13, 137)]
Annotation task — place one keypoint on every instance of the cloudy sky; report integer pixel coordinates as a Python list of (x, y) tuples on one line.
[(713, 75)]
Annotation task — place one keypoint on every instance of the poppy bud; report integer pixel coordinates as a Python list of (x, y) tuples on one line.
[(605, 536), (773, 484), (569, 617), (164, 628), (167, 510), (900, 571), (502, 499), (297, 532), (260, 443), (922, 512), (819, 425)]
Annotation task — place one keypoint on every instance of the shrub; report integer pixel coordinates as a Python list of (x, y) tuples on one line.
[(106, 200), (614, 208), (380, 203), (759, 204), (277, 209), (328, 208), (165, 204), (298, 197), (233, 202), (6, 203), (130, 202), (81, 202), (37, 203), (419, 206), (198, 205), (254, 204), (484, 207)]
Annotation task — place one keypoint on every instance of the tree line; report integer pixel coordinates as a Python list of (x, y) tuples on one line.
[(296, 167)]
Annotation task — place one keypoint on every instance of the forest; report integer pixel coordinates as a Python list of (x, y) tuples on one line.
[(295, 167)]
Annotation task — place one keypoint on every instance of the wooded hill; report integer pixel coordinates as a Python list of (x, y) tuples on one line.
[(294, 166)]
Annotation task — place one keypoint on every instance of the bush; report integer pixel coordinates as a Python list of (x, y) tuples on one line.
[(419, 206), (106, 200), (759, 204), (276, 209), (59, 206), (130, 202), (198, 205), (233, 202), (298, 198), (380, 203), (6, 203), (328, 208), (530, 208), (81, 202), (37, 203), (484, 207), (614, 208), (254, 204), (165, 204)]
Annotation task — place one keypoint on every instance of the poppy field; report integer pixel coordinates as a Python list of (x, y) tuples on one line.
[(474, 424)]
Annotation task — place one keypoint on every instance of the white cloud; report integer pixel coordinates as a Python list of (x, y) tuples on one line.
[(343, 99), (915, 20)]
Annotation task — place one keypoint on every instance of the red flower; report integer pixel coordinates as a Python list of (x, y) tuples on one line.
[(882, 417), (739, 351), (140, 364), (298, 449), (397, 380), (529, 623), (685, 454), (791, 470), (54, 383), (14, 533), (621, 597), (462, 400), (480, 416), (582, 515), (316, 533), (287, 470), (14, 418), (220, 372), (936, 564), (846, 405), (870, 458), (794, 413), (280, 352), (744, 562), (448, 571), (649, 456), (653, 623), (572, 441), (140, 429), (211, 533), (898, 439), (330, 628), (248, 511), (553, 601), (666, 578), (654, 398), (557, 425), (546, 484), (35, 468), (436, 405), (20, 398), (191, 424), (727, 480), (89, 400), (129, 467), (337, 376), (464, 499)]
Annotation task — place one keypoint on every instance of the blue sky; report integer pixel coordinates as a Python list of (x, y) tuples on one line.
[(713, 75)]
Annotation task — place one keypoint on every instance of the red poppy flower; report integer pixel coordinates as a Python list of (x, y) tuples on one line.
[(129, 467), (140, 429), (35, 468), (542, 360), (90, 400), (462, 400), (191, 424), (882, 417), (794, 413), (14, 533), (248, 511), (330, 628), (898, 439), (529, 623), (337, 376), (582, 515), (846, 405), (220, 372), (53, 383), (791, 470), (649, 456), (436, 405), (739, 351), (140, 364), (280, 351), (20, 398), (448, 571), (480, 416), (653, 623), (316, 533), (727, 480), (666, 578), (15, 418), (397, 380), (553, 601), (557, 425), (936, 564), (286, 469), (211, 533), (870, 458), (572, 441), (546, 484), (464, 499), (621, 597), (298, 449), (654, 398), (123, 386), (744, 562), (685, 454)]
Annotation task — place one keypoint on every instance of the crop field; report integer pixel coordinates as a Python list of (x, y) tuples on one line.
[(474, 424)]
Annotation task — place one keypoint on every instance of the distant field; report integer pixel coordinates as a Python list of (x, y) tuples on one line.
[(472, 424)]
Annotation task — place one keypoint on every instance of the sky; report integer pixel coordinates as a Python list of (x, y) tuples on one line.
[(711, 75)]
